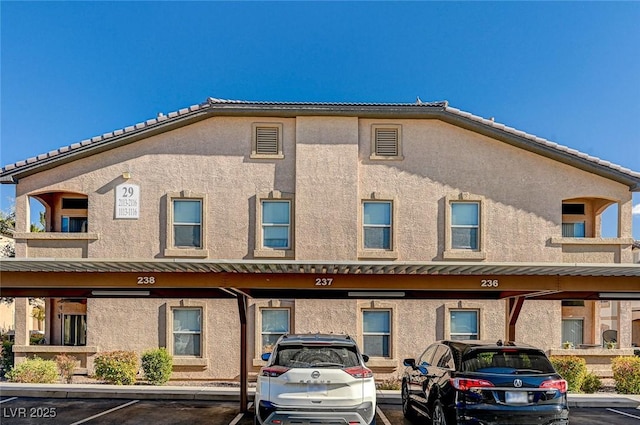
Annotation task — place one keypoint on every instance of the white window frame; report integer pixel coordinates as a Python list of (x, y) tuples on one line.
[(451, 253), (193, 252), (465, 310), (174, 332), (389, 334), (375, 155), (266, 225), (263, 332), (452, 205), (366, 225), (260, 250), (255, 128)]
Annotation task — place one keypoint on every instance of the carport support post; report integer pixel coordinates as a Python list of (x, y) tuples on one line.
[(242, 310), (514, 305)]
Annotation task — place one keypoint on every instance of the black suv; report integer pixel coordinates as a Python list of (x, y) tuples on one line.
[(473, 382)]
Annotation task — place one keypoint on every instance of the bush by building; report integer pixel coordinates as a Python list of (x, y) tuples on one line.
[(66, 366), (117, 367), (572, 368), (34, 371), (626, 372), (157, 365), (6, 357), (591, 383)]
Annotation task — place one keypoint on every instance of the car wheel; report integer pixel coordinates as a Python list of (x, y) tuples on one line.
[(407, 410), (438, 417)]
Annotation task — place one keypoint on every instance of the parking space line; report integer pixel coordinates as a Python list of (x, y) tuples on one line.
[(240, 415), (105, 412), (7, 399), (624, 413), (382, 416)]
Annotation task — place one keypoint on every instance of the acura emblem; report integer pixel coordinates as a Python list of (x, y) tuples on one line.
[(517, 383), (315, 375)]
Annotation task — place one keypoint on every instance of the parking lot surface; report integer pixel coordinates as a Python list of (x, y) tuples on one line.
[(50, 411)]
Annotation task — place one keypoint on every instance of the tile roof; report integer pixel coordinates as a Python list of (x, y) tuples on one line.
[(214, 105)]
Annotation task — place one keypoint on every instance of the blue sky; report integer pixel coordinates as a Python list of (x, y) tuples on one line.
[(565, 71)]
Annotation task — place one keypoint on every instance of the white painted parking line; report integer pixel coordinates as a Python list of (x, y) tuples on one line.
[(382, 416), (105, 412), (623, 413), (7, 399), (240, 415)]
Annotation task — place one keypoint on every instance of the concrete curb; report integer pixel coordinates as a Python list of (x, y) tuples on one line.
[(150, 392)]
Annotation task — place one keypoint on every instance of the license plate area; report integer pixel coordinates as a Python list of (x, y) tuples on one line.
[(516, 397), (316, 389)]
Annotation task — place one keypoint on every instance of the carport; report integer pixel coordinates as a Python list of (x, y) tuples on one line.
[(173, 278)]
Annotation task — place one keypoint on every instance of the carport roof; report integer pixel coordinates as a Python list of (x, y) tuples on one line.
[(316, 267)]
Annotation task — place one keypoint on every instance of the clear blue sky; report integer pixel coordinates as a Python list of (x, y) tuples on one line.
[(565, 71)]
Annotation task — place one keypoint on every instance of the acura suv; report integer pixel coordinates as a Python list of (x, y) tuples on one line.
[(315, 379), (471, 382)]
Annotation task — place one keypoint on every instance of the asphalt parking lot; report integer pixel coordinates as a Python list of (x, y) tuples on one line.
[(49, 411)]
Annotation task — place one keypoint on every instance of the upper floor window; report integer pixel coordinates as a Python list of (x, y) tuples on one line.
[(73, 224), (377, 225), (386, 141), (267, 140), (465, 225), (573, 220), (187, 223), (376, 332), (464, 324), (276, 224)]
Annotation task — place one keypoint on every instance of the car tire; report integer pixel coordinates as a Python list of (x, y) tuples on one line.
[(437, 415), (373, 421), (407, 410)]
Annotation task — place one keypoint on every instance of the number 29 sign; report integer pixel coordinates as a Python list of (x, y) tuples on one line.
[(127, 201)]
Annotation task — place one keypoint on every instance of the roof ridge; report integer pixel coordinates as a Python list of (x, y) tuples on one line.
[(211, 102)]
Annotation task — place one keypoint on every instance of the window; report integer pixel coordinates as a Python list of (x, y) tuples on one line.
[(573, 230), (187, 223), (376, 335), (276, 224), (465, 224), (573, 209), (267, 141), (464, 324), (74, 329), (73, 224), (275, 323), (187, 332), (573, 331), (386, 141), (377, 225), (75, 203)]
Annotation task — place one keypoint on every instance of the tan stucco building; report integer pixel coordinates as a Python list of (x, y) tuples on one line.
[(399, 224)]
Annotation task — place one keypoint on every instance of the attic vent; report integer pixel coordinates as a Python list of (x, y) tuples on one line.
[(267, 140), (387, 141)]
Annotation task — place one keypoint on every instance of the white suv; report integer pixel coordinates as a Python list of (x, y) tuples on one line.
[(315, 379)]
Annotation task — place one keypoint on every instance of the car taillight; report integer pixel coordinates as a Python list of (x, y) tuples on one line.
[(555, 384), (273, 371), (464, 384), (359, 372)]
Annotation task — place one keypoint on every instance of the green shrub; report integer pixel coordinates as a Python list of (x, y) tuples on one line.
[(66, 366), (6, 357), (572, 368), (34, 371), (626, 372), (157, 365), (117, 367), (393, 383), (591, 383)]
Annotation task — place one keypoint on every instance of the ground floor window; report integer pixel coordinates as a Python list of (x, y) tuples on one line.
[(464, 324), (275, 323), (187, 332), (376, 333), (74, 329), (573, 331)]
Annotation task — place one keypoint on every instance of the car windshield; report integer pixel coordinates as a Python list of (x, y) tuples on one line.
[(316, 356), (508, 360)]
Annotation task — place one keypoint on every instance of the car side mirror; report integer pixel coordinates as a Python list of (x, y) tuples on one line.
[(409, 362), (365, 358), (265, 356)]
